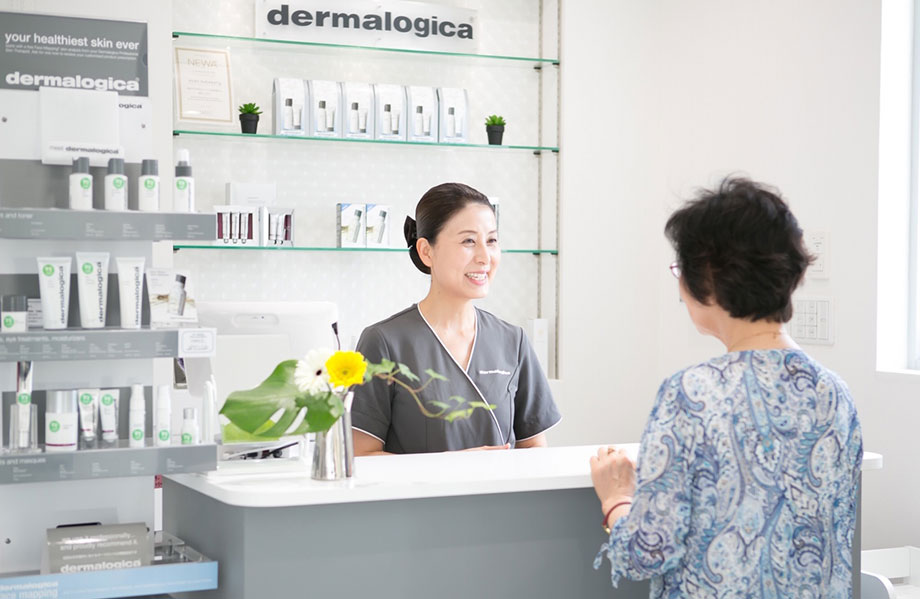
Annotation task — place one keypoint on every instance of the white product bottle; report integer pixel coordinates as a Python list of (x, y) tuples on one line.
[(116, 186), (330, 118), (61, 421), (148, 187), (419, 121), (177, 296), (288, 118), (356, 226), (381, 226), (320, 120), (362, 121), (387, 126), (191, 435), (162, 431), (297, 115), (81, 185), (451, 123), (137, 416), (353, 118), (184, 196)]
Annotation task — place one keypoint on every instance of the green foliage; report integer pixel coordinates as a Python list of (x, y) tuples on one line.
[(250, 108), (495, 121)]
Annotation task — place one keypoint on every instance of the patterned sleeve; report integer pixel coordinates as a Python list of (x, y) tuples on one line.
[(845, 511), (649, 541)]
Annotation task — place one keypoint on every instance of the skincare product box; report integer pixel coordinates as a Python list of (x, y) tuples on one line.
[(453, 115), (358, 103), (350, 221), (390, 111), (14, 311), (172, 302), (250, 194), (326, 108), (276, 226), (289, 100), (377, 225), (423, 113), (238, 225)]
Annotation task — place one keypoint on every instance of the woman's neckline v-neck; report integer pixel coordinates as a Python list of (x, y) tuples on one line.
[(444, 347)]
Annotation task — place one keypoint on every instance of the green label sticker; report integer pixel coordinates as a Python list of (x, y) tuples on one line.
[(118, 183), (48, 270), (181, 184), (88, 268), (138, 434), (24, 398), (86, 183), (8, 322), (164, 435), (54, 426), (149, 183), (107, 400), (86, 399), (186, 438)]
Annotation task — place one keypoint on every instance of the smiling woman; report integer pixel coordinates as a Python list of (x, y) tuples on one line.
[(454, 239)]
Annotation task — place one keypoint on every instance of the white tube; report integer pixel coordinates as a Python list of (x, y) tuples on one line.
[(61, 421), (23, 406), (54, 287), (88, 404), (137, 416), (108, 413), (162, 431), (130, 291), (93, 286)]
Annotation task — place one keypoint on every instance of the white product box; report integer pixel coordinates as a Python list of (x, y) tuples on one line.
[(326, 108), (454, 115), (172, 300), (390, 111), (358, 103), (277, 226), (377, 225), (350, 222), (423, 113), (250, 194), (289, 101), (495, 204), (237, 225)]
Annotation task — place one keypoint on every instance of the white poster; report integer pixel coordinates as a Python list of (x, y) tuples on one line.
[(203, 87), (392, 24)]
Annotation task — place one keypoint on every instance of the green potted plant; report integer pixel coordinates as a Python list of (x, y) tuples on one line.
[(249, 117), (495, 127)]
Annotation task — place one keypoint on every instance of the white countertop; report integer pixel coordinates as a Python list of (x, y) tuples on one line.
[(382, 478)]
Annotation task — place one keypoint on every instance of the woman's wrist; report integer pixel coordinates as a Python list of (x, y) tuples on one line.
[(611, 501)]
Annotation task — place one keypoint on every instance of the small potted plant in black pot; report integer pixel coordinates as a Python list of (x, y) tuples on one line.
[(249, 117), (495, 127)]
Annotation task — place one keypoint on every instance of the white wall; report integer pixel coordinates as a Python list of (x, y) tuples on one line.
[(786, 92)]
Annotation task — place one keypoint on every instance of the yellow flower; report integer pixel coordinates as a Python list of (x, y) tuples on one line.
[(346, 368)]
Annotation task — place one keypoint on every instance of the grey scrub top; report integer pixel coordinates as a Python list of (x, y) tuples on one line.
[(503, 369)]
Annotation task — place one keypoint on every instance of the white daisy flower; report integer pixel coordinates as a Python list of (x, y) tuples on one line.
[(310, 375)]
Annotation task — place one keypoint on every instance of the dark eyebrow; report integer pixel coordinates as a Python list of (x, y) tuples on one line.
[(468, 232)]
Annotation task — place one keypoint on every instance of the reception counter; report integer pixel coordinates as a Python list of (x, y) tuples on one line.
[(521, 523)]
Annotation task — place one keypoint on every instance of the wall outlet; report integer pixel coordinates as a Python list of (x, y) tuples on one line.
[(818, 245), (812, 320)]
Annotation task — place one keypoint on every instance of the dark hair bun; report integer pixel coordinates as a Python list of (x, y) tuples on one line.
[(410, 232)]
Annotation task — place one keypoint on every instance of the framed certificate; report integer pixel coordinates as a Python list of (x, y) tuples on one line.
[(203, 85)]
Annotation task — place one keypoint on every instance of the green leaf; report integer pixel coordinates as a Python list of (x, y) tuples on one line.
[(458, 414), (438, 404), (436, 376), (385, 367), (407, 372)]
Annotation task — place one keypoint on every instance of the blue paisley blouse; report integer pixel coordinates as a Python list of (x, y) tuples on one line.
[(746, 483)]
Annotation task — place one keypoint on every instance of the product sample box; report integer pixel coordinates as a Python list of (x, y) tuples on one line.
[(377, 225), (277, 226), (350, 222), (172, 302), (390, 109), (423, 113), (237, 225), (359, 110), (289, 102), (453, 115), (326, 108)]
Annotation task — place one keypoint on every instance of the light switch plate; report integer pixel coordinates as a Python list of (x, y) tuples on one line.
[(812, 320), (818, 245)]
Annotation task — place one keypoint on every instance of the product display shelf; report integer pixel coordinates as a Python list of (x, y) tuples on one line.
[(52, 223), (264, 137), (108, 460), (177, 247), (176, 568), (106, 344), (478, 59)]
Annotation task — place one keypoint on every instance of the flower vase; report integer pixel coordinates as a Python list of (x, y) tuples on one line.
[(334, 451)]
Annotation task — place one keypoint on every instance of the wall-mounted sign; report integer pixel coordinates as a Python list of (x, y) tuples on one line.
[(203, 85), (392, 24), (77, 55)]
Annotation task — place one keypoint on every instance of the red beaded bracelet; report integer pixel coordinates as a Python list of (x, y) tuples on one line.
[(610, 511)]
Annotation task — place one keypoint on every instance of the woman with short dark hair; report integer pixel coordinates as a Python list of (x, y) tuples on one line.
[(746, 484)]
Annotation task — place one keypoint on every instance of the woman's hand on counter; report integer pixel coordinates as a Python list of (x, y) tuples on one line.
[(614, 477)]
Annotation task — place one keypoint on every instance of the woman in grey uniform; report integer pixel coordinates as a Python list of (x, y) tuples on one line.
[(454, 239)]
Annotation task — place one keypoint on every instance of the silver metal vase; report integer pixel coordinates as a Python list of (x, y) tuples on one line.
[(334, 452)]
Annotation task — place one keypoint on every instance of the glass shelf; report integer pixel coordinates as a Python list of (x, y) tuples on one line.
[(326, 249), (525, 61), (265, 136)]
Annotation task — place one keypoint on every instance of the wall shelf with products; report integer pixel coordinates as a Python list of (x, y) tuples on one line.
[(102, 225), (265, 137), (241, 41), (331, 249)]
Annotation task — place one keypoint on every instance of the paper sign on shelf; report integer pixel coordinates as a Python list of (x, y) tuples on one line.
[(204, 91)]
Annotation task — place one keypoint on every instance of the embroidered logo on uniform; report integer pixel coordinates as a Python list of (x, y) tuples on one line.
[(496, 371)]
